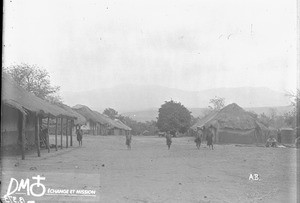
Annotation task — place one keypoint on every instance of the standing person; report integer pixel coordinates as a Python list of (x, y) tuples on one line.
[(169, 139), (209, 138), (128, 140), (79, 134), (198, 138)]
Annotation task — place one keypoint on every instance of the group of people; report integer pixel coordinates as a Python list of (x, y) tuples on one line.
[(200, 134), (198, 139), (272, 142)]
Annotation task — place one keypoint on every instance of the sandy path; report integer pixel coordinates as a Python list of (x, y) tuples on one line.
[(151, 173)]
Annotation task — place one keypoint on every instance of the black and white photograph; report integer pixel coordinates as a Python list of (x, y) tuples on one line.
[(161, 101)]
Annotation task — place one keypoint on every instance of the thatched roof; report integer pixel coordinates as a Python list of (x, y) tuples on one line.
[(122, 125), (113, 123), (97, 117), (80, 119), (88, 114), (204, 121), (102, 117), (16, 97), (231, 116)]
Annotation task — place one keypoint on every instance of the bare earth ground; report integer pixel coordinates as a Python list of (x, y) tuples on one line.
[(151, 173)]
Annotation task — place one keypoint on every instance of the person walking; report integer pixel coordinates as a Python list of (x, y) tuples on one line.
[(198, 138), (79, 134), (209, 138), (169, 139), (128, 140)]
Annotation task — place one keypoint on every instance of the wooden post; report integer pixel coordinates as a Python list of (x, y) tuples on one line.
[(48, 145), (93, 128), (61, 132), (23, 119), (37, 133), (56, 131), (67, 144), (71, 131)]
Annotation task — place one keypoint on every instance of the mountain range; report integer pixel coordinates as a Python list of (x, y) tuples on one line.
[(139, 98), (152, 114)]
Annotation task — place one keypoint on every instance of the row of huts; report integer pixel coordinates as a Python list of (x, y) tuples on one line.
[(27, 119), (234, 125)]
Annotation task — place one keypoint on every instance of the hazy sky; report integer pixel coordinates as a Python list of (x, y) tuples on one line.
[(190, 45)]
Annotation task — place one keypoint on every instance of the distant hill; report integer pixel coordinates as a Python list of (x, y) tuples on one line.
[(135, 98), (152, 114)]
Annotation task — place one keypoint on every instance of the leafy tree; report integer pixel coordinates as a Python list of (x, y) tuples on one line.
[(265, 119), (111, 113), (194, 120), (217, 103), (173, 117), (35, 80)]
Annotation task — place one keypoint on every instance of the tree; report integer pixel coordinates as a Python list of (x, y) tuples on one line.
[(173, 117), (35, 80), (111, 113), (294, 115), (217, 103), (265, 119)]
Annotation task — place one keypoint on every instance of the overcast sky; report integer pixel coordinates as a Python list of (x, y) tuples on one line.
[(190, 45)]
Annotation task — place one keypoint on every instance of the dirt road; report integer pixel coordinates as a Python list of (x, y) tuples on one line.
[(151, 173)]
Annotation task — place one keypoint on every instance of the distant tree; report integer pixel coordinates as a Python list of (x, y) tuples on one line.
[(265, 119), (194, 120), (173, 117), (293, 117), (35, 80), (273, 113), (290, 119), (274, 120), (111, 113), (295, 102), (217, 103)]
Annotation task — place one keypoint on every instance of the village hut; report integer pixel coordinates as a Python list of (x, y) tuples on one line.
[(93, 121), (233, 124), (288, 135), (21, 118), (80, 121), (113, 127), (116, 127), (125, 130), (103, 128)]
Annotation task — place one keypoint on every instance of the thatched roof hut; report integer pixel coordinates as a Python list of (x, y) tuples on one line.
[(122, 125), (288, 135), (22, 117), (18, 98), (80, 119), (102, 117), (88, 113), (233, 124)]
